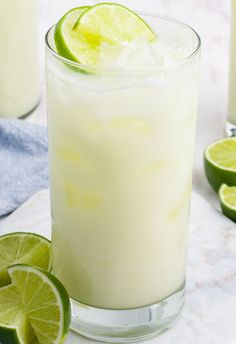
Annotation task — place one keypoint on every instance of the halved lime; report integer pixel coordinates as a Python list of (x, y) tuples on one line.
[(26, 248), (220, 163), (101, 31), (36, 306), (64, 31), (227, 196)]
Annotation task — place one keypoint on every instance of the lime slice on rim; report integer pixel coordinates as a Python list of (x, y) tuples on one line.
[(101, 30), (35, 308), (64, 31), (220, 163), (227, 196), (26, 248)]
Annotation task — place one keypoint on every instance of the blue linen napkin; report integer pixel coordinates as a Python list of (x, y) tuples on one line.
[(23, 162)]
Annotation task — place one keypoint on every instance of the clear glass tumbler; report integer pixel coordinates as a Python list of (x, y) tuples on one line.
[(19, 65), (231, 123), (121, 149)]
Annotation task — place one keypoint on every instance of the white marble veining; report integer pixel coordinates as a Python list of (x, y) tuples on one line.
[(210, 310)]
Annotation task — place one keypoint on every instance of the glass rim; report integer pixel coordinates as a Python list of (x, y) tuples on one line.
[(126, 71)]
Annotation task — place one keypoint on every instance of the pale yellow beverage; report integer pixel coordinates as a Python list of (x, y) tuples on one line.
[(121, 149), (232, 85), (19, 67)]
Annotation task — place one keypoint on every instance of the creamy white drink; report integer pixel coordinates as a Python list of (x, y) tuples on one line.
[(232, 85), (19, 70), (121, 150)]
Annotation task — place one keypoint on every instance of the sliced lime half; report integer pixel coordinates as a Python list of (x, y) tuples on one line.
[(220, 163), (25, 248), (35, 306)]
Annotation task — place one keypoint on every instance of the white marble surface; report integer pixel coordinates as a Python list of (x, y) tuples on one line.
[(210, 311)]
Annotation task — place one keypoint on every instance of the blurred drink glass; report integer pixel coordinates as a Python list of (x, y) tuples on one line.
[(231, 124), (19, 64)]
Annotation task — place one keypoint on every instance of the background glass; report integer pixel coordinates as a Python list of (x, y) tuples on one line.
[(231, 125), (19, 68)]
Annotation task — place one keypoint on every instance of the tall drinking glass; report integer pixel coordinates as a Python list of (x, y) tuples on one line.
[(121, 149), (19, 67), (231, 124)]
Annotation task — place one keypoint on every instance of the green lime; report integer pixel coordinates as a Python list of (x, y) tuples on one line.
[(35, 307), (228, 201), (9, 335), (14, 325), (220, 163), (101, 31), (64, 31), (26, 248)]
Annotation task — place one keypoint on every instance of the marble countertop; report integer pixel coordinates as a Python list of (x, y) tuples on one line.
[(210, 311)]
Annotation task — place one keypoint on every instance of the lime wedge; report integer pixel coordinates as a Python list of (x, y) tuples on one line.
[(35, 307), (26, 248), (220, 163), (228, 201), (64, 31), (101, 31)]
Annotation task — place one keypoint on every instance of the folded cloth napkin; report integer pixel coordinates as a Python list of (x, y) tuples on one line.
[(23, 162)]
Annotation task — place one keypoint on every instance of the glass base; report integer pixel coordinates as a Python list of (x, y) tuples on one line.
[(230, 129), (119, 326)]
